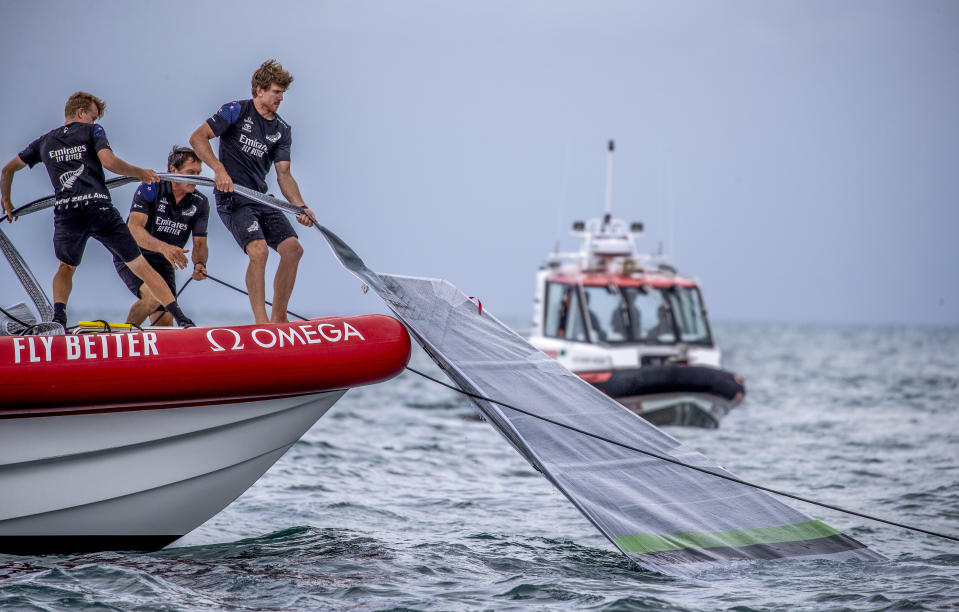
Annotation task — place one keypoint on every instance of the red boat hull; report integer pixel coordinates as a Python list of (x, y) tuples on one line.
[(180, 367)]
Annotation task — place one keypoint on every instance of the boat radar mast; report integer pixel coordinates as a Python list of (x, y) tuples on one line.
[(609, 244), (609, 183)]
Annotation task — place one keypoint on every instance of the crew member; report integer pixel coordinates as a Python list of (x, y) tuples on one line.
[(664, 326), (75, 155), (162, 217), (252, 138)]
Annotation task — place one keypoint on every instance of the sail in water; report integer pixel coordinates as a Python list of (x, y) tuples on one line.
[(665, 517)]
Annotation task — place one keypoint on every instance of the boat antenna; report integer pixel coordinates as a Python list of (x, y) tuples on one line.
[(562, 200), (609, 184), (670, 201)]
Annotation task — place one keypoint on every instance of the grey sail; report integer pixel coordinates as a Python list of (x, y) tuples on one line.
[(665, 517)]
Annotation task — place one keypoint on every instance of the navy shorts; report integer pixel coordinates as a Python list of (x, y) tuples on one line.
[(249, 221), (157, 261), (74, 226)]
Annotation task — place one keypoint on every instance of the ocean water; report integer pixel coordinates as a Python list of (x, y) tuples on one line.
[(401, 498)]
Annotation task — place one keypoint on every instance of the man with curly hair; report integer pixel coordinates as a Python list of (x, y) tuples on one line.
[(252, 138)]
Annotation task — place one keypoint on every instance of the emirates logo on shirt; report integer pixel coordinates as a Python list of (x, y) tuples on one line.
[(68, 178), (252, 146)]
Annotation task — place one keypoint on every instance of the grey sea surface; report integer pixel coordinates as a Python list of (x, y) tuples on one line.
[(402, 498)]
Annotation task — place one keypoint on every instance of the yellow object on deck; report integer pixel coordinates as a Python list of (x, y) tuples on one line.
[(102, 325)]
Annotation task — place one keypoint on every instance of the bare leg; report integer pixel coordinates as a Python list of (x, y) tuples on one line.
[(256, 279), (138, 312), (151, 279), (146, 307), (290, 251), (158, 288), (62, 286), (63, 282), (161, 319)]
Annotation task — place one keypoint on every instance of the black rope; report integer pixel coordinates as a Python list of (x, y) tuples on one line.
[(27, 325), (683, 464), (183, 287), (235, 288)]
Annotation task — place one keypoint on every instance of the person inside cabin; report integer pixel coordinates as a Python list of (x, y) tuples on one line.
[(75, 155), (252, 138), (563, 317), (664, 325), (162, 217), (599, 334), (624, 318)]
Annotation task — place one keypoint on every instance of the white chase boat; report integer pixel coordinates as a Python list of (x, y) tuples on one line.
[(629, 324)]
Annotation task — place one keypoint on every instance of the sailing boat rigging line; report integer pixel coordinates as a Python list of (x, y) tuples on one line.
[(235, 288), (183, 287), (682, 463), (14, 318)]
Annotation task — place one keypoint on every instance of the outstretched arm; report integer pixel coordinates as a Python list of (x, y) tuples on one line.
[(116, 165), (291, 190), (6, 183), (200, 141)]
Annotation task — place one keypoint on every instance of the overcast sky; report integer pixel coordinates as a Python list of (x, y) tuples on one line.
[(807, 152)]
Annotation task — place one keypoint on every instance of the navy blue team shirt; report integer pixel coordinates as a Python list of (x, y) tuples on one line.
[(168, 220), (69, 154), (249, 143)]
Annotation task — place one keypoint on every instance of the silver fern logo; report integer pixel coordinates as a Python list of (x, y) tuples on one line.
[(68, 178), (253, 227), (189, 212), (273, 137)]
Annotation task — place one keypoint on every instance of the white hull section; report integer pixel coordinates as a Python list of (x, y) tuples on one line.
[(587, 357), (684, 409), (145, 472)]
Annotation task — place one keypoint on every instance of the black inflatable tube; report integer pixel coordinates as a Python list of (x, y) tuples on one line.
[(653, 380)]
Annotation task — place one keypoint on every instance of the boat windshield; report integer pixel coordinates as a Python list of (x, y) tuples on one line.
[(606, 315), (614, 314), (563, 316), (651, 316), (628, 314), (687, 307)]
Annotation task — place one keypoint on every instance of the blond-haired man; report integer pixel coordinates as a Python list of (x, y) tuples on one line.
[(75, 155)]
